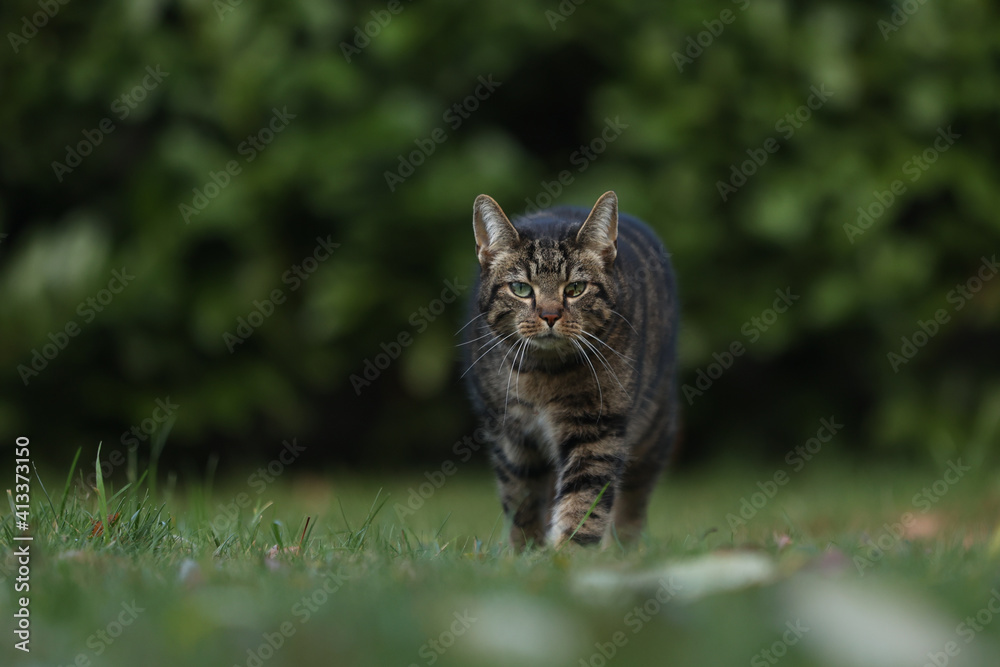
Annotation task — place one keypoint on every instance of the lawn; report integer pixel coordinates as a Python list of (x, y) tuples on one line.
[(828, 565)]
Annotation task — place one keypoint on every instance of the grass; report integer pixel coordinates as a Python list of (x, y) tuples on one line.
[(341, 570)]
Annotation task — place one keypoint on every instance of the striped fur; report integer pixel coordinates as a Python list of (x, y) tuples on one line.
[(585, 384)]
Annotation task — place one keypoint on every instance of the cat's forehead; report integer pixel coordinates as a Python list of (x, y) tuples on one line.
[(549, 252), (547, 257)]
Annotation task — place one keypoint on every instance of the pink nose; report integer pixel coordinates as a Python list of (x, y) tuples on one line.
[(550, 316)]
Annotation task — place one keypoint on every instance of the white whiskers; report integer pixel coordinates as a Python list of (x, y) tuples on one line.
[(624, 318), (622, 356), (488, 350), (485, 335), (520, 345), (470, 322), (604, 361), (600, 394)]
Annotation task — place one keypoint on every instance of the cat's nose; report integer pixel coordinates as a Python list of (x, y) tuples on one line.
[(550, 316)]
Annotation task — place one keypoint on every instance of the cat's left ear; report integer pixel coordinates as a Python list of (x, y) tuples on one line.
[(600, 230), (493, 230)]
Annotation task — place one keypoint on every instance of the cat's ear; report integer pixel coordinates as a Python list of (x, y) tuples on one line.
[(493, 230), (599, 231)]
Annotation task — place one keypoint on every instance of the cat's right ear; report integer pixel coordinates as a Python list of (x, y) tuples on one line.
[(599, 231), (494, 233)]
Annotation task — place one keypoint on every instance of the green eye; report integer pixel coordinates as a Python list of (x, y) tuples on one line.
[(575, 289), (522, 290)]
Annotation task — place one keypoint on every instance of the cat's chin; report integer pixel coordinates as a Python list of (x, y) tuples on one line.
[(547, 342), (550, 344)]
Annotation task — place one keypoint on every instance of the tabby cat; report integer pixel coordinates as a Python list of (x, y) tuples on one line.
[(572, 347)]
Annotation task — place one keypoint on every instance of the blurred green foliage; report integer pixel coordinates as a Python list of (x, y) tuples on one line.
[(226, 70)]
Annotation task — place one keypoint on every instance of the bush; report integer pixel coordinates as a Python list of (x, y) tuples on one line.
[(218, 152)]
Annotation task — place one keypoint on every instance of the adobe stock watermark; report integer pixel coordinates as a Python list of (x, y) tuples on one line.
[(786, 126), (363, 35), (294, 277), (967, 630), (302, 611), (163, 413), (419, 319), (957, 297), (462, 451), (140, 433), (924, 500), (713, 30), (901, 13), (634, 620), (752, 329), (249, 148), (102, 638), (913, 168), (432, 650), (796, 458), (453, 116), (121, 106), (581, 158), (779, 649), (932, 494), (563, 11), (258, 481), (40, 19), (59, 340)]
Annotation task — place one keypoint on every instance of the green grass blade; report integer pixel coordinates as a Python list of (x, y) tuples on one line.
[(120, 491), (69, 479), (589, 512), (443, 523), (276, 531), (102, 499), (489, 540), (376, 507), (44, 490), (344, 514)]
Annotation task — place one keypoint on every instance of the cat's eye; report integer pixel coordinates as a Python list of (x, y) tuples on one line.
[(522, 290), (575, 289)]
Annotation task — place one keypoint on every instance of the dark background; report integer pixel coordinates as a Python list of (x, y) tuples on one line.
[(324, 176)]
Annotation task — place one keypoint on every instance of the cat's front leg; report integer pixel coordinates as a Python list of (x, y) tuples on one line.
[(525, 482), (592, 458)]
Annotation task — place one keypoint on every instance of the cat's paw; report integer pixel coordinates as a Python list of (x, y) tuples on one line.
[(571, 538)]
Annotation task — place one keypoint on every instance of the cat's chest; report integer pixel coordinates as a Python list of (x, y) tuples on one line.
[(542, 424)]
